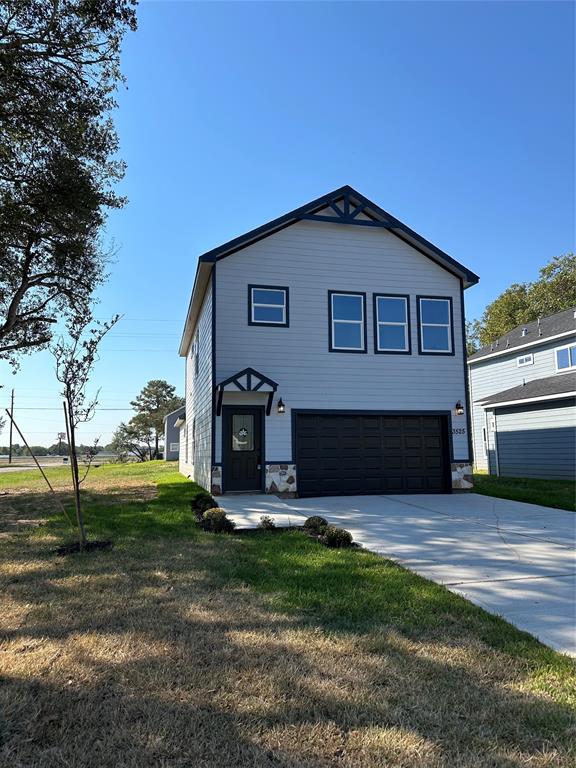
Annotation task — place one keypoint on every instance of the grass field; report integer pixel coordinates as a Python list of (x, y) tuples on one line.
[(560, 494), (181, 649)]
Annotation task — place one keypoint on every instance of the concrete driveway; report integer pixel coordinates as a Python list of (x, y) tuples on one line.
[(516, 560)]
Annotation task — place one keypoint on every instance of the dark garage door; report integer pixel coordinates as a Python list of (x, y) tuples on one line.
[(339, 454)]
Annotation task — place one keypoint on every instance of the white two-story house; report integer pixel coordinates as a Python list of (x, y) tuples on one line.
[(523, 393), (325, 355)]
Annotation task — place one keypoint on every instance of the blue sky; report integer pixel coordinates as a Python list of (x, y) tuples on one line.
[(457, 117)]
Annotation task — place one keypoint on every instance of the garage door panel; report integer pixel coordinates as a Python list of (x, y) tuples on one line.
[(341, 454)]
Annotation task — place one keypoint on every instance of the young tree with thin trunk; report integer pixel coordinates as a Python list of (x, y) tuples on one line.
[(75, 358)]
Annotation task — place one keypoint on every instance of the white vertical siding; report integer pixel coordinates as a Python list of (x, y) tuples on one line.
[(196, 460), (311, 258), (488, 377)]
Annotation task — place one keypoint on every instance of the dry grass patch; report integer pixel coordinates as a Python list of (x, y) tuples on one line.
[(187, 649)]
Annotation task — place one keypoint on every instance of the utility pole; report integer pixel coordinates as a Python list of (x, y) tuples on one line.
[(11, 421)]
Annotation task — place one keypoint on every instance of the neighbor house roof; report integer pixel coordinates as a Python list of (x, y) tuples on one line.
[(529, 334), (182, 408), (342, 206), (548, 388)]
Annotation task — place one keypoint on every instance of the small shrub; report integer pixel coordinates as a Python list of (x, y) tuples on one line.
[(316, 524), (201, 503), (215, 521), (336, 537), (266, 523)]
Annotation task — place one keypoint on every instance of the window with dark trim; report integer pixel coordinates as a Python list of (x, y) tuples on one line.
[(435, 328), (193, 440), (392, 324), (347, 321), (268, 305)]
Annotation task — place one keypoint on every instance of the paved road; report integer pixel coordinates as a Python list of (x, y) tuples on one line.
[(514, 559)]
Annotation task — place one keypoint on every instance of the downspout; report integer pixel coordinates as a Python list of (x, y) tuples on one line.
[(496, 444)]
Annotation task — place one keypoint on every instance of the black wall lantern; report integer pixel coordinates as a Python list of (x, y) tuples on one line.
[(281, 406), (459, 409)]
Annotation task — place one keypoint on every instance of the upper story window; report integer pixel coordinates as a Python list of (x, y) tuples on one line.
[(565, 358), (435, 334), (347, 321), (267, 305), (391, 324), (525, 360)]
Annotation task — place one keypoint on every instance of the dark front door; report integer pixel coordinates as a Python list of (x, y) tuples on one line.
[(242, 449)]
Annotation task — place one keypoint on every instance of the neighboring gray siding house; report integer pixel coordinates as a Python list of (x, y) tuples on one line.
[(523, 391), (172, 434), (325, 355)]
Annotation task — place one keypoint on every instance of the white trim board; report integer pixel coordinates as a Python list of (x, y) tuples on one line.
[(543, 398), (515, 350)]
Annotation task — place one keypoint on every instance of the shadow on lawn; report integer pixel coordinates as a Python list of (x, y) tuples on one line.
[(132, 511), (156, 655)]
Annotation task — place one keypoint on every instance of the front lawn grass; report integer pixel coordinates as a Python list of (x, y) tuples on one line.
[(180, 648), (560, 494)]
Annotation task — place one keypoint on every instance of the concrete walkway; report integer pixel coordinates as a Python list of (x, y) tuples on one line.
[(516, 560)]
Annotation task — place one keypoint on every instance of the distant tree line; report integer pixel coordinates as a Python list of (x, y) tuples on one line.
[(554, 291), (53, 450)]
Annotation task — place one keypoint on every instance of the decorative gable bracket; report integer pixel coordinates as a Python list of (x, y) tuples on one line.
[(347, 210), (247, 380)]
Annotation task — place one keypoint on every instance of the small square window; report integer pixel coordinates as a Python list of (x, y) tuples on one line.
[(347, 319), (525, 360), (267, 305)]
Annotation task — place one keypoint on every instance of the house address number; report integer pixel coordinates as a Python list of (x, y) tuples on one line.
[(459, 431)]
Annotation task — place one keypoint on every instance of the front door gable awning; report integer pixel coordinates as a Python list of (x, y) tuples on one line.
[(247, 380)]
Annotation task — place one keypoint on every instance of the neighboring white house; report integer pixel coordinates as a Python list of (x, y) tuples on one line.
[(325, 354), (523, 391)]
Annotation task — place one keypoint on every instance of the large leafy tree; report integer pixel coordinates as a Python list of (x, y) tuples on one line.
[(134, 439), (554, 291), (59, 68), (156, 399)]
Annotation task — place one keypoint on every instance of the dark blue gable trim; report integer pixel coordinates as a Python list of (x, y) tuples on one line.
[(466, 380), (354, 203)]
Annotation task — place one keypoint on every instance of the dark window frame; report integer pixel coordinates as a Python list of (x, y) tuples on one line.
[(285, 289), (331, 347), (376, 322), (438, 353)]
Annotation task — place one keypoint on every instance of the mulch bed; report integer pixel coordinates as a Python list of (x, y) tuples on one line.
[(90, 546)]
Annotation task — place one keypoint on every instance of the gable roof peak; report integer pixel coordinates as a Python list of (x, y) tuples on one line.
[(356, 210)]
